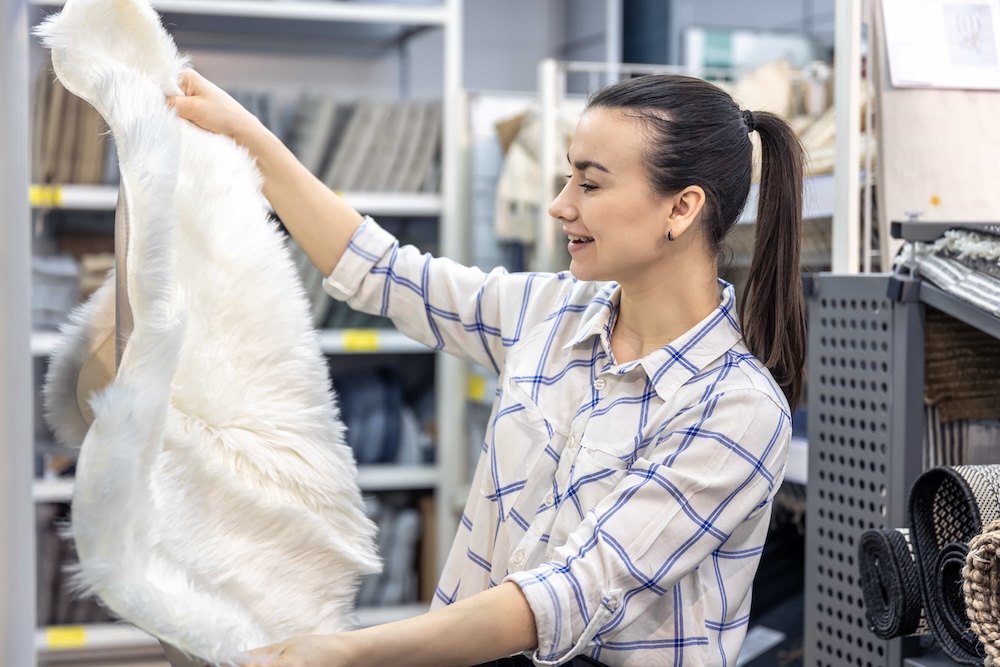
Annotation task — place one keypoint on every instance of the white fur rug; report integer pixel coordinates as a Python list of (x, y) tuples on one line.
[(216, 504)]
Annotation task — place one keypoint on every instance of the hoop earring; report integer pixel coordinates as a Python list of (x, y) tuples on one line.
[(670, 235)]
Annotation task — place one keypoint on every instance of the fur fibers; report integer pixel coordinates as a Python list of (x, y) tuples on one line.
[(216, 504)]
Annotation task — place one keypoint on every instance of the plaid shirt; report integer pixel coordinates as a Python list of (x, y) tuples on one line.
[(629, 502)]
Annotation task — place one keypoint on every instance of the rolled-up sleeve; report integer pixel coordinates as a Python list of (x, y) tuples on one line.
[(440, 303), (703, 488)]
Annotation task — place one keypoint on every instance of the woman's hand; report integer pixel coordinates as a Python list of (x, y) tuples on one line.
[(211, 108), (309, 651)]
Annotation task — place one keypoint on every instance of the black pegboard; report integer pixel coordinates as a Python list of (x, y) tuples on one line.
[(863, 346)]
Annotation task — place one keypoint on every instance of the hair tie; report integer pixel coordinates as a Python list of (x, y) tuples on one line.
[(750, 121)]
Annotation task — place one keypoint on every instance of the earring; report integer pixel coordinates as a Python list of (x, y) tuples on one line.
[(670, 235)]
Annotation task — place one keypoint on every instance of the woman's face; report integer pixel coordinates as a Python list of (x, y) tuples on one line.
[(617, 226)]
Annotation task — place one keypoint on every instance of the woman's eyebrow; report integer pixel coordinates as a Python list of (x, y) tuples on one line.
[(584, 165)]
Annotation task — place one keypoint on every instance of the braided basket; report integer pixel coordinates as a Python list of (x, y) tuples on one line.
[(982, 590)]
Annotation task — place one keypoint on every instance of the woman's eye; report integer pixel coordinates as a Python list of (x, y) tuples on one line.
[(587, 187)]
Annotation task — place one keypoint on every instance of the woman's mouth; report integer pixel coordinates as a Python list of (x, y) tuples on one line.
[(578, 242)]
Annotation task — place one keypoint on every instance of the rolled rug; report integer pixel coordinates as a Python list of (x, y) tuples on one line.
[(948, 507), (890, 584), (982, 590)]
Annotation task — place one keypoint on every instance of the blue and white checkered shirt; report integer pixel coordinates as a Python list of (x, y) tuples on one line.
[(630, 502)]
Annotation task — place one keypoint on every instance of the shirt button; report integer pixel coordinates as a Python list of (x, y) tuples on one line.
[(517, 558), (572, 442), (550, 500), (613, 604), (599, 384)]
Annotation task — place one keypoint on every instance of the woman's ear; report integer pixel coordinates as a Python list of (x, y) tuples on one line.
[(684, 209)]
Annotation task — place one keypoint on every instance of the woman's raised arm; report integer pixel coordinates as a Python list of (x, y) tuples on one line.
[(321, 222)]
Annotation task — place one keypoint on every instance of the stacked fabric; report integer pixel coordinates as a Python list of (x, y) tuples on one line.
[(963, 262)]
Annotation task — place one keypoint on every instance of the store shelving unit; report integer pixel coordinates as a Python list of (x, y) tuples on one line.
[(325, 27), (866, 342)]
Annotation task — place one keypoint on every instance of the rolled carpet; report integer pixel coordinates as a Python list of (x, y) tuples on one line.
[(890, 584), (982, 590), (948, 507)]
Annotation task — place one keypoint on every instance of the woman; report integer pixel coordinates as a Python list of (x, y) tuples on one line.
[(622, 499)]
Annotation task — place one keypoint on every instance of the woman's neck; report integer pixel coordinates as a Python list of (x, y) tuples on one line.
[(655, 312)]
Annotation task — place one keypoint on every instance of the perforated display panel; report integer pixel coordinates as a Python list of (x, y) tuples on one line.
[(856, 358)]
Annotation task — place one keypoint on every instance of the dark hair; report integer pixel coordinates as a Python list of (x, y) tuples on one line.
[(699, 136)]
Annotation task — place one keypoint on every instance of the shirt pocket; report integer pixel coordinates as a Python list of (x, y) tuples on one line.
[(516, 440)]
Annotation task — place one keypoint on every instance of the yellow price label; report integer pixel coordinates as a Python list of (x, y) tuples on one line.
[(360, 340), (45, 196), (66, 637), (476, 389)]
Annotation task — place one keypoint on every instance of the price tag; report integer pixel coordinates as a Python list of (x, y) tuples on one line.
[(476, 390), (66, 637), (45, 196), (360, 340)]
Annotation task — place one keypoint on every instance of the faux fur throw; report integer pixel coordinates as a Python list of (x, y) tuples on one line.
[(216, 504)]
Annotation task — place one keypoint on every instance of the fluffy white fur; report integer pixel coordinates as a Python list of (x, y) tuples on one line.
[(216, 504)]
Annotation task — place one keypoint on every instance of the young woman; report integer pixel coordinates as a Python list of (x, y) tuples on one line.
[(623, 495)]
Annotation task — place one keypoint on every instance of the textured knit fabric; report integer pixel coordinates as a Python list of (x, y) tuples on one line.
[(630, 502)]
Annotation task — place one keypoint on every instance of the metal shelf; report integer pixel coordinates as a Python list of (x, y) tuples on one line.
[(818, 200), (384, 477), (351, 29), (379, 615), (797, 468), (368, 341), (43, 343), (331, 341), (325, 11), (109, 638), (52, 490), (391, 477), (937, 298), (933, 660), (105, 198), (99, 637)]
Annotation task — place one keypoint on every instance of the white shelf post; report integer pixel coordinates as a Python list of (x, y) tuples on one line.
[(613, 32), (846, 230), (451, 371), (547, 232), (17, 552)]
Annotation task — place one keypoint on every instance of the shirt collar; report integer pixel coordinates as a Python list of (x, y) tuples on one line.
[(669, 367)]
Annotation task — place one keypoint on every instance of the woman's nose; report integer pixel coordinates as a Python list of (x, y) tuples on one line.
[(561, 208)]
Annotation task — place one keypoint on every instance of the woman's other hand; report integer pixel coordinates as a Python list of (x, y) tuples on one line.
[(308, 651), (211, 108)]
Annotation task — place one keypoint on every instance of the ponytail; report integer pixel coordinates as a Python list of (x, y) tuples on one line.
[(699, 136), (773, 310)]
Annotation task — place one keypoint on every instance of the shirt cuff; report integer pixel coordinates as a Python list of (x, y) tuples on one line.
[(368, 245), (554, 606)]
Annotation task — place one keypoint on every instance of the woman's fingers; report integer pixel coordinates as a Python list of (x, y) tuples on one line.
[(208, 106), (267, 656), (188, 80)]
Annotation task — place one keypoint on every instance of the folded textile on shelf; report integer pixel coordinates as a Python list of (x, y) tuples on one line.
[(961, 366), (964, 262)]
